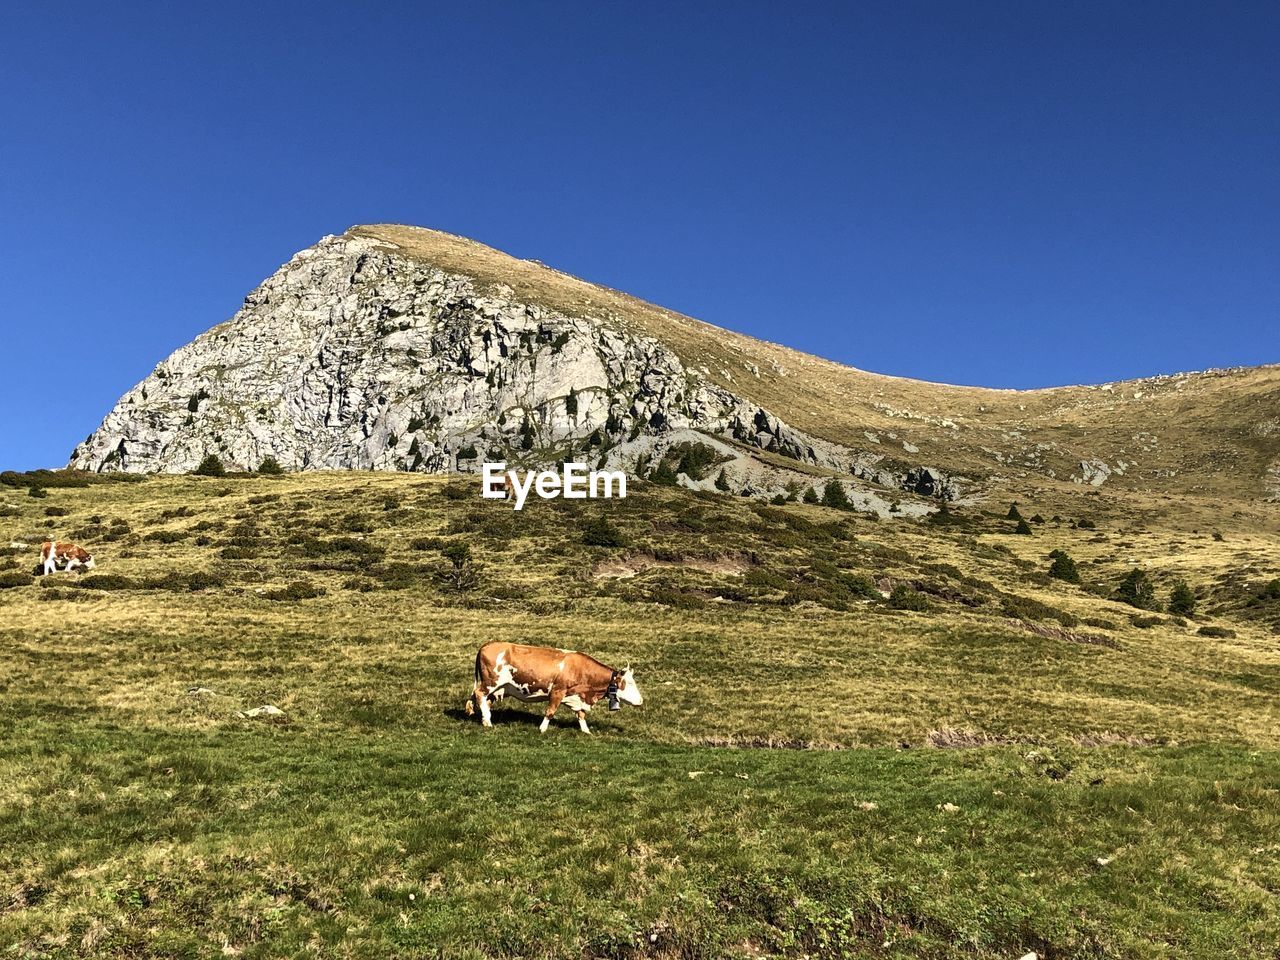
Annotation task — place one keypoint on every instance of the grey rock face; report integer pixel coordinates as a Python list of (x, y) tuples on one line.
[(353, 357)]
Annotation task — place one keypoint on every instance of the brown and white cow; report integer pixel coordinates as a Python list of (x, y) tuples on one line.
[(55, 552), (535, 674)]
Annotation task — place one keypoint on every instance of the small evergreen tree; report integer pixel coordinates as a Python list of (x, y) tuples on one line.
[(1023, 528), (271, 467), (571, 403), (526, 435), (664, 475), (1064, 568), (210, 466), (1137, 590), (833, 495), (811, 496), (1013, 513), (1182, 599), (722, 482)]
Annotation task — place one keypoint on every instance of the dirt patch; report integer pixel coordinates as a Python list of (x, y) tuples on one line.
[(766, 743), (953, 738), (1059, 633), (622, 568)]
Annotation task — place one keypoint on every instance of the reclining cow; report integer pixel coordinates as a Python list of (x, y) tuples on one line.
[(71, 556), (536, 674)]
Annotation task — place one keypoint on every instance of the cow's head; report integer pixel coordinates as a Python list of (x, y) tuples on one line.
[(628, 689), (88, 562)]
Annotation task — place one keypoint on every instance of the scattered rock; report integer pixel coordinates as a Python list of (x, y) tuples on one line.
[(266, 710)]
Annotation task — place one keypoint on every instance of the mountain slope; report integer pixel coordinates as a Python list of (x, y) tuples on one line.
[(398, 347)]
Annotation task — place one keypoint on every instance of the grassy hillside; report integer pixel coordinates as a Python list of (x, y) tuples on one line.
[(1214, 433), (998, 761)]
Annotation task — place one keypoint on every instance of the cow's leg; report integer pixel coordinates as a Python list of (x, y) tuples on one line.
[(482, 702), (552, 706), (50, 563), (582, 721), (72, 564)]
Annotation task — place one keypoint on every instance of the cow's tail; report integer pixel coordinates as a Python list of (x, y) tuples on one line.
[(471, 700)]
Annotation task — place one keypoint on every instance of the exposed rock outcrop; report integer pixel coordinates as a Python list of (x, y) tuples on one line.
[(354, 357)]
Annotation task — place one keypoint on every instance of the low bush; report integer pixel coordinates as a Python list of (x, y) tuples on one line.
[(38, 492), (271, 467), (210, 466), (106, 581), (429, 543), (904, 597), (1219, 632), (14, 578), (64, 478), (1064, 568), (1144, 623), (166, 536), (298, 590), (56, 511), (599, 532), (355, 523)]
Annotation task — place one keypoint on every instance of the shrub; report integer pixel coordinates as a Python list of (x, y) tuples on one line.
[(1023, 528), (106, 581), (1218, 536), (1013, 513), (468, 452), (1137, 590), (722, 482), (463, 573), (693, 459), (1144, 623), (271, 467), (904, 597), (38, 492), (526, 434), (64, 478), (1219, 632), (571, 403), (429, 543), (1271, 591), (14, 578), (810, 496), (599, 532), (1182, 599), (1037, 519), (833, 496), (210, 466), (1083, 524), (239, 553), (166, 536), (298, 590), (355, 523), (1064, 568), (416, 424)]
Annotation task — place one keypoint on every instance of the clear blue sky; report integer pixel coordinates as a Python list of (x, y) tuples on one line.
[(1010, 194)]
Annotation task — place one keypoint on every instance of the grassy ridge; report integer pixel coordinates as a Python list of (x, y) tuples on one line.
[(1118, 799)]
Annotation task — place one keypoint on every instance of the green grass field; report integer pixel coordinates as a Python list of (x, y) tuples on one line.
[(1021, 765)]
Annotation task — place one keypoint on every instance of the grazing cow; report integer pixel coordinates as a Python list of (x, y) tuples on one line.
[(55, 552), (545, 673)]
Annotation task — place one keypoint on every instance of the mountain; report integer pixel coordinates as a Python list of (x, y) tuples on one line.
[(401, 348)]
